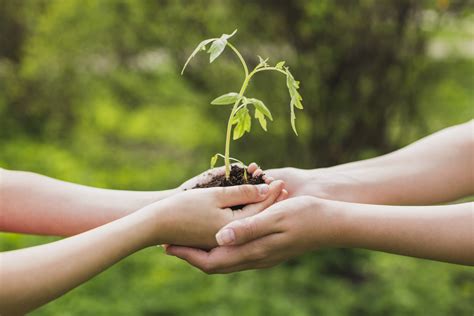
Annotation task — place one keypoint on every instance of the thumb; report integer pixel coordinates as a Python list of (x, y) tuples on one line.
[(246, 229), (241, 194), (276, 189)]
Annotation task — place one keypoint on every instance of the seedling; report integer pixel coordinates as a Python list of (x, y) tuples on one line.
[(240, 120)]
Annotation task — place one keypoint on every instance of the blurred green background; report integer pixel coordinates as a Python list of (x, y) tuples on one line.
[(90, 92)]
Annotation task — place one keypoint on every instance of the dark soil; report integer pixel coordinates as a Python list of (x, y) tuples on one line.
[(236, 178)]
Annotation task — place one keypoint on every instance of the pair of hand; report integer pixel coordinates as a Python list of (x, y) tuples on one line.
[(283, 230), (193, 217)]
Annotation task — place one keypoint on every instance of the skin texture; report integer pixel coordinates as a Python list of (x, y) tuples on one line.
[(33, 276), (301, 224), (436, 169), (36, 204)]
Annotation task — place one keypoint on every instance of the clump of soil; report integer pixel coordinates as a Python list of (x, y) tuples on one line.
[(236, 178)]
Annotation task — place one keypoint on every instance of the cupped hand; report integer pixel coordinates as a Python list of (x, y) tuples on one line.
[(284, 230), (193, 217)]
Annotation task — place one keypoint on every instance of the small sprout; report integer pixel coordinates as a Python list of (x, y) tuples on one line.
[(240, 120)]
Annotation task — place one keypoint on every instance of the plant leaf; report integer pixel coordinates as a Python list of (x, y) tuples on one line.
[(280, 65), (295, 96), (261, 119), (227, 36), (218, 46), (241, 119), (239, 131), (261, 107), (293, 121), (201, 46), (214, 160), (239, 116), (247, 122), (228, 98)]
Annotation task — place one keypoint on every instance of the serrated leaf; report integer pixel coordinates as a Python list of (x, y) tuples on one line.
[(241, 119), (239, 131), (214, 160), (261, 119), (218, 46), (228, 98), (261, 107), (201, 46), (297, 101), (239, 116), (280, 65), (295, 97)]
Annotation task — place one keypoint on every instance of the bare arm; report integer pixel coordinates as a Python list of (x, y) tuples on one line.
[(444, 233), (35, 204), (435, 169), (298, 225), (34, 276)]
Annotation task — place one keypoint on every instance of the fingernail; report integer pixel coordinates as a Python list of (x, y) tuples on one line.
[(263, 188), (225, 237)]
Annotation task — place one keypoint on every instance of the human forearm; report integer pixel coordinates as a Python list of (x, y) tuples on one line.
[(442, 233), (435, 169), (302, 224), (34, 276), (35, 204)]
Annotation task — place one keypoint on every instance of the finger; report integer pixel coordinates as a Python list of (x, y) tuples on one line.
[(252, 167), (217, 260), (249, 228), (254, 255), (241, 194), (257, 173), (269, 179), (283, 195), (276, 188), (210, 262), (193, 256), (266, 179), (262, 253)]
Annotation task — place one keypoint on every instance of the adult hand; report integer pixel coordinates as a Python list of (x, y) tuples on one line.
[(192, 218), (282, 231), (325, 183)]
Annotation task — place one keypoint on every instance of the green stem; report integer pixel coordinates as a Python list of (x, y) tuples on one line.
[(242, 60), (267, 68), (229, 126), (235, 108)]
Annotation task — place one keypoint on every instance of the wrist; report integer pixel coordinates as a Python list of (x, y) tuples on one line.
[(341, 185), (355, 224), (149, 223), (155, 196), (332, 222)]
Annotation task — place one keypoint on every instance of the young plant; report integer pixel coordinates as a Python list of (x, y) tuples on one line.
[(240, 120)]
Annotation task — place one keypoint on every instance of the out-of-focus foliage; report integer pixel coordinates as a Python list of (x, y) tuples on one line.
[(90, 92)]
